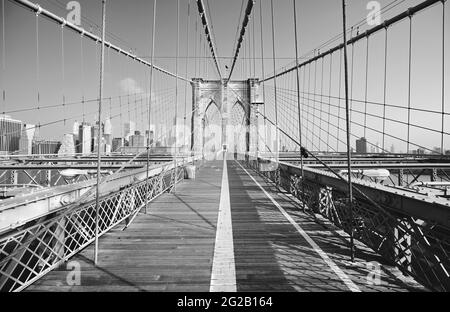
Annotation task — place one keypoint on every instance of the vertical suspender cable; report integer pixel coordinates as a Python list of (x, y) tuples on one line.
[(150, 98), (63, 72), (308, 115), (109, 66), (195, 49), (262, 67), (298, 104), (366, 87), (274, 82), (409, 84), (186, 70), (82, 75), (347, 113), (176, 96), (329, 100), (251, 47), (244, 61), (314, 99), (443, 76), (303, 93), (385, 84), (99, 136), (254, 48), (37, 73), (3, 57), (321, 104), (352, 73), (339, 99)]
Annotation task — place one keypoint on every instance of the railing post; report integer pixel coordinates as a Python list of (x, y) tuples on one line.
[(14, 177), (60, 238), (49, 177), (402, 245), (99, 137), (401, 177), (348, 130), (433, 175)]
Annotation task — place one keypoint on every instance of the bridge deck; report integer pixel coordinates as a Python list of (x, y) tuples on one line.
[(173, 246)]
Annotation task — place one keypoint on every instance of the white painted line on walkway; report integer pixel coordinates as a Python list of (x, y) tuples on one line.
[(348, 282), (223, 276)]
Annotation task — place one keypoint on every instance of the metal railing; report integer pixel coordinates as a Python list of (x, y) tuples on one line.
[(30, 251)]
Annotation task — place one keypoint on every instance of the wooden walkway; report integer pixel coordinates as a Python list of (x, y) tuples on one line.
[(172, 247)]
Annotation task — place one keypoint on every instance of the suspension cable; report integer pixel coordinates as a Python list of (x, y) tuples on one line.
[(262, 63), (248, 11), (186, 70), (150, 105), (3, 56), (275, 81), (443, 76), (89, 35), (298, 102), (63, 71), (37, 70), (176, 94), (348, 129), (385, 84), (409, 82), (212, 46), (395, 19)]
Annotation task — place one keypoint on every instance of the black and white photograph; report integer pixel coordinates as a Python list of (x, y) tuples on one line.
[(225, 152)]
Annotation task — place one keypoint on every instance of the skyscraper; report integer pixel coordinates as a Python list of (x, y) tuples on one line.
[(117, 144), (26, 139), (107, 135), (10, 131), (67, 145), (361, 146), (137, 140), (84, 136), (128, 129), (46, 147), (76, 129)]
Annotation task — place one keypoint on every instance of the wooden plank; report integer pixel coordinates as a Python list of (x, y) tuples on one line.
[(270, 254), (169, 249)]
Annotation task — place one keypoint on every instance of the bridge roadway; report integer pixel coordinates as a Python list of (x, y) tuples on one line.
[(226, 231)]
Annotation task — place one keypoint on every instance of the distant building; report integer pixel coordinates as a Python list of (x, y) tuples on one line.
[(84, 138), (419, 151), (128, 129), (117, 144), (437, 150), (94, 137), (10, 132), (75, 130), (46, 147), (107, 135), (361, 146), (378, 148), (67, 145), (149, 135), (26, 139), (392, 149), (137, 140)]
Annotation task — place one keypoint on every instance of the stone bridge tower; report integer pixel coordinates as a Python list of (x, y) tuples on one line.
[(230, 98)]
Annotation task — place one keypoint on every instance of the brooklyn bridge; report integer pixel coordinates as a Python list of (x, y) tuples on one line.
[(140, 153)]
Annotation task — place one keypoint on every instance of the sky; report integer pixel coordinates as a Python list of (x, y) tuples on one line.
[(129, 25)]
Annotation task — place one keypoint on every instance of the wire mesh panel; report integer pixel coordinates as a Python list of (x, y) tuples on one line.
[(29, 252)]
